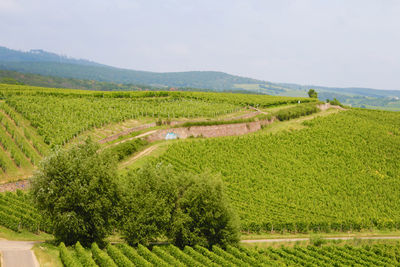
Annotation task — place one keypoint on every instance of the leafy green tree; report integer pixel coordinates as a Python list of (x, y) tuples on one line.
[(75, 189), (186, 209), (312, 93), (202, 215)]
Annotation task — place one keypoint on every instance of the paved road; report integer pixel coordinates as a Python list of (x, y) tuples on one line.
[(18, 254), (326, 238)]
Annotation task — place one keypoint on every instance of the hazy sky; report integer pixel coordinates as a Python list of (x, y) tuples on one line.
[(334, 43)]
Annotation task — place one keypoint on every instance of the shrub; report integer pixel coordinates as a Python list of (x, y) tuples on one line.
[(119, 258), (296, 112), (75, 189), (187, 209), (67, 259), (84, 257), (101, 257)]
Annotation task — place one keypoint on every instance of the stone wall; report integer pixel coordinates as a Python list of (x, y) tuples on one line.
[(211, 131)]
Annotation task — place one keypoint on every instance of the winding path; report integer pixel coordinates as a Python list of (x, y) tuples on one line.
[(17, 254)]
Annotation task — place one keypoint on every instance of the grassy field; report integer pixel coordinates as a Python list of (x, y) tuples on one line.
[(47, 255)]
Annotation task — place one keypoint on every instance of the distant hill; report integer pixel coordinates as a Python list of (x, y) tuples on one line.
[(45, 63), (50, 64), (20, 78), (38, 55)]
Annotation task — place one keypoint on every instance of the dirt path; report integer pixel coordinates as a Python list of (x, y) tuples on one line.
[(325, 238), (18, 254), (126, 132), (258, 110), (137, 156), (135, 137)]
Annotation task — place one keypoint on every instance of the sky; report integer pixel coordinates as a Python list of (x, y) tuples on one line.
[(340, 43)]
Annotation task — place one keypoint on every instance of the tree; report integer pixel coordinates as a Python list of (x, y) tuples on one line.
[(312, 93), (187, 209), (75, 189)]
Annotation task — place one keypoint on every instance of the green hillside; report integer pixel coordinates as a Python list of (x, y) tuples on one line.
[(37, 118), (311, 168), (340, 173), (61, 71)]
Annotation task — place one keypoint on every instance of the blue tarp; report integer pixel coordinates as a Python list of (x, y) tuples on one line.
[(171, 135)]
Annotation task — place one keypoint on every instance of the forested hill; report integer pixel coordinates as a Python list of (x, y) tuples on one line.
[(50, 64), (38, 55)]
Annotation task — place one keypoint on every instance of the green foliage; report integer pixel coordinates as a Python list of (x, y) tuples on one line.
[(61, 114), (188, 209), (314, 179), (59, 119), (317, 241), (9, 220), (181, 256), (296, 111), (119, 258), (312, 93), (84, 257), (212, 256), (167, 257), (126, 149), (198, 256), (67, 259), (134, 256), (76, 190), (18, 212), (101, 257), (222, 122), (21, 148), (334, 102), (151, 257)]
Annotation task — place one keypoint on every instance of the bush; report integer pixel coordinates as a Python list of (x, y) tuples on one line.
[(119, 258), (67, 259), (75, 189), (335, 102), (296, 112), (187, 209), (101, 257), (125, 149), (133, 256), (84, 257), (312, 93)]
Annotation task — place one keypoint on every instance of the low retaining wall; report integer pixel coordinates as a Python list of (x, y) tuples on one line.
[(210, 131)]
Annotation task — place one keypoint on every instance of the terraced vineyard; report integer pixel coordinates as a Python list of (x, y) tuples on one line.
[(33, 119), (169, 255), (60, 115), (340, 173), (18, 213), (21, 148)]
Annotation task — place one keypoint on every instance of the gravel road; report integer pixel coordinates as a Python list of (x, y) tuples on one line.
[(18, 254)]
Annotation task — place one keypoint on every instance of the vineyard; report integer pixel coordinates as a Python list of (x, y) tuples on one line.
[(33, 119), (18, 213), (21, 148), (169, 255), (60, 115), (340, 173)]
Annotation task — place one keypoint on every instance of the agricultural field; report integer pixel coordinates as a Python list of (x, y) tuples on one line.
[(339, 173), (169, 255), (18, 213), (21, 147), (35, 119)]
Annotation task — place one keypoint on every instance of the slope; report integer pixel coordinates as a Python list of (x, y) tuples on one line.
[(340, 173)]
